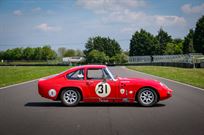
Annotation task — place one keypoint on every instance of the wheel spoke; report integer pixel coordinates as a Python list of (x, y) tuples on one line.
[(147, 97), (70, 97)]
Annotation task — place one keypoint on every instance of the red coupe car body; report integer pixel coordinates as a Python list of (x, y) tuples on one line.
[(99, 89)]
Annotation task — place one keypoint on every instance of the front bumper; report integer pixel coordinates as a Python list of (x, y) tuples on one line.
[(166, 94)]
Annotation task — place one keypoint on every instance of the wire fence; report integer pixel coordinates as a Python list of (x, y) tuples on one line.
[(183, 58)]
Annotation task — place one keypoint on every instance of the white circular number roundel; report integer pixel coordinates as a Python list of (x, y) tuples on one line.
[(103, 89), (52, 92)]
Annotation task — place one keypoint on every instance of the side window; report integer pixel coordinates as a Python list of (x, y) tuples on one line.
[(76, 75), (94, 74), (97, 74)]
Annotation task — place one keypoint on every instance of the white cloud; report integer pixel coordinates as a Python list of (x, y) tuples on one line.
[(143, 19), (37, 9), (46, 28), (104, 6), (169, 20), (189, 9), (123, 11), (18, 12), (125, 16)]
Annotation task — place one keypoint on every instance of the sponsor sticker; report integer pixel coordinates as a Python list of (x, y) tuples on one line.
[(122, 91)]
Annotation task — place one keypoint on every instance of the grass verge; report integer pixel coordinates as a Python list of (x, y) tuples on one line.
[(16, 74), (193, 77)]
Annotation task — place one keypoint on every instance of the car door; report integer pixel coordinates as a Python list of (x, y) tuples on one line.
[(100, 90)]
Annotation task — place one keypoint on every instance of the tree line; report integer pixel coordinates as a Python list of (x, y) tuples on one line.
[(28, 53), (63, 52), (144, 43), (105, 50)]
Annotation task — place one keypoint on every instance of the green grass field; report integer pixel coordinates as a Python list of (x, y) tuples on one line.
[(16, 74), (193, 77)]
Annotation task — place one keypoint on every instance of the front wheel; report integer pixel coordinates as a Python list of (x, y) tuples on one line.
[(70, 97), (147, 97)]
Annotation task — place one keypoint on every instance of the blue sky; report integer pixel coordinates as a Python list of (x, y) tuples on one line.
[(69, 23)]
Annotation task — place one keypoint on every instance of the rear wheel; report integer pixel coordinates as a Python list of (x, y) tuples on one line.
[(70, 97), (147, 97)]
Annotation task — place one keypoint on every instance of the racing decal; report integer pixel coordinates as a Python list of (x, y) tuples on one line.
[(52, 93), (130, 92), (122, 91), (102, 89), (103, 100)]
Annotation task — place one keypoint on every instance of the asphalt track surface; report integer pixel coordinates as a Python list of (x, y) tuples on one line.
[(24, 112)]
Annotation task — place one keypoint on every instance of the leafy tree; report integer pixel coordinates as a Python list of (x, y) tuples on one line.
[(173, 48), (119, 58), (69, 53), (163, 38), (109, 46), (37, 53), (8, 55), (179, 48), (63, 52), (106, 47), (1, 55), (28, 53), (48, 53), (96, 56), (198, 38), (188, 43), (143, 43), (17, 53)]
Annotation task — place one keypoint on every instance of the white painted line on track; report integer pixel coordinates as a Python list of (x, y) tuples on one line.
[(13, 85), (165, 79), (18, 84)]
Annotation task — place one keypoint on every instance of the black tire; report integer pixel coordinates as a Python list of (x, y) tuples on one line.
[(147, 97), (68, 97)]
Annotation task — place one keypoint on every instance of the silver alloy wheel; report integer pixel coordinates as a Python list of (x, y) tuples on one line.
[(70, 97), (147, 97)]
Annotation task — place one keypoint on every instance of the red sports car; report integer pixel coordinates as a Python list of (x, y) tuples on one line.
[(95, 83)]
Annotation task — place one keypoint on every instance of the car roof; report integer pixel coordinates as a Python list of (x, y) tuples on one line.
[(88, 66)]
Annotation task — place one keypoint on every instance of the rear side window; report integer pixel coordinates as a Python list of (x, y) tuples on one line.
[(94, 74), (76, 75), (97, 74)]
